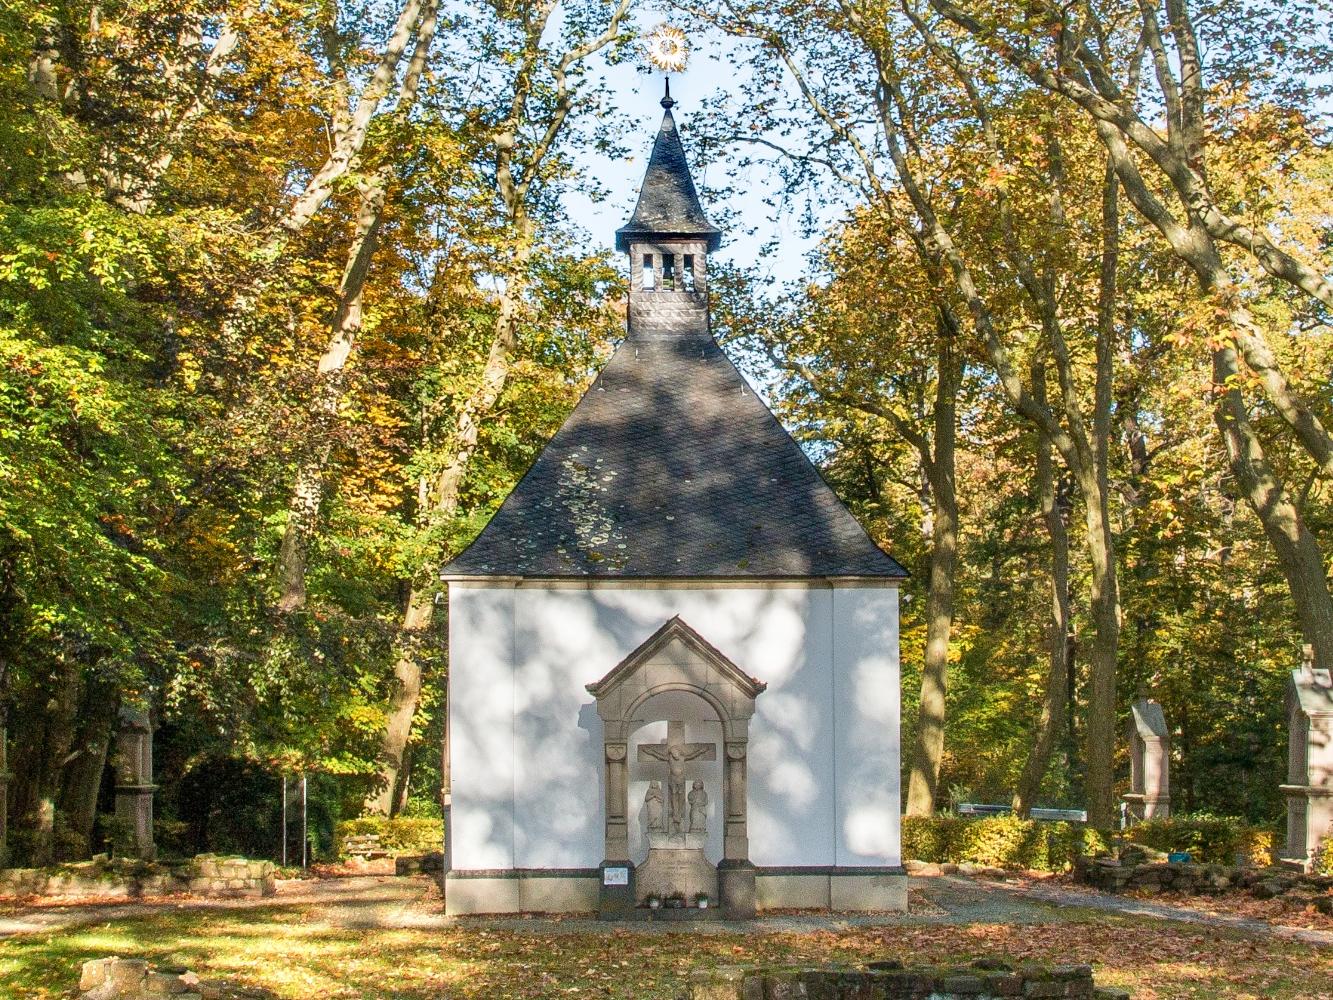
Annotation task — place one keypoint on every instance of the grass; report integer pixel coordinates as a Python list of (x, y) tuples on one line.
[(294, 952)]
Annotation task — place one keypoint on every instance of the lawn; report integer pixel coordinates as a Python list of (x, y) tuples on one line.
[(296, 952)]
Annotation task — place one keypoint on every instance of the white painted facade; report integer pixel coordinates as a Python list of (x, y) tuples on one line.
[(526, 741)]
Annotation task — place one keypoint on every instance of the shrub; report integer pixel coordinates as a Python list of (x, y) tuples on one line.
[(999, 841), (1323, 859), (399, 835), (1209, 839)]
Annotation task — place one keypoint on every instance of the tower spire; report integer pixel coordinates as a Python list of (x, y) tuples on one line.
[(668, 204)]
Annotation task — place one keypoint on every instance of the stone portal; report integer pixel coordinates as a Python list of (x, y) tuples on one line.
[(134, 785), (1149, 762), (676, 659), (1309, 788)]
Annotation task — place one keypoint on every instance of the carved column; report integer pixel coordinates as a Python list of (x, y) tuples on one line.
[(736, 842), (134, 785), (735, 875), (4, 792), (617, 801)]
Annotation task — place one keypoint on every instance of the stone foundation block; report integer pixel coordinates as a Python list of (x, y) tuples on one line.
[(983, 980)]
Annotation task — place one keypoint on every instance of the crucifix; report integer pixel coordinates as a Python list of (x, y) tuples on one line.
[(676, 752)]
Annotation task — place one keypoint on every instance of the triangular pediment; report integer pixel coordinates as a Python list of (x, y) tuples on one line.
[(652, 650)]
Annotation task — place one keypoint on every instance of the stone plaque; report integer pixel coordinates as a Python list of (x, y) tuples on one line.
[(667, 872), (615, 876)]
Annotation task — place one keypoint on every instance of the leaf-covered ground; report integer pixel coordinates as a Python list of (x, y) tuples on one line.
[(304, 949)]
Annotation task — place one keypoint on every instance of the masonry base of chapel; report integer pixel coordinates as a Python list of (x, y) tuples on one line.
[(496, 891)]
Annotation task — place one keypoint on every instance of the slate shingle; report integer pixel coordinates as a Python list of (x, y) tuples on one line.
[(668, 203), (671, 466)]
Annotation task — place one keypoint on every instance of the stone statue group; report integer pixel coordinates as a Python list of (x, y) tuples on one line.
[(670, 817)]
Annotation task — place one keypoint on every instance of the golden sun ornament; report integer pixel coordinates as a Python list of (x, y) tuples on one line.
[(666, 47)]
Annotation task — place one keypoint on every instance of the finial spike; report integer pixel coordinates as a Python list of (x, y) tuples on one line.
[(667, 102)]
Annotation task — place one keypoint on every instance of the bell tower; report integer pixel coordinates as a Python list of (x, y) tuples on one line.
[(668, 240)]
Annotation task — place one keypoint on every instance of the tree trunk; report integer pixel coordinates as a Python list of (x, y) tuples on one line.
[(928, 747), (82, 778), (4, 782), (1296, 548), (438, 500), (308, 491), (46, 758), (389, 794), (1100, 733), (1055, 697)]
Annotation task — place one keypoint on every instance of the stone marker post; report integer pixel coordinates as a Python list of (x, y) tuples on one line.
[(1149, 761), (1309, 788), (134, 785), (4, 791)]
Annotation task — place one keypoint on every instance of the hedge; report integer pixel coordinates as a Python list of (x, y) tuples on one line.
[(999, 841), (1010, 842), (1209, 839), (397, 836)]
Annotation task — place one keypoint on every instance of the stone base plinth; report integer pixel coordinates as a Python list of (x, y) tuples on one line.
[(736, 880), (675, 871), (521, 891), (847, 889)]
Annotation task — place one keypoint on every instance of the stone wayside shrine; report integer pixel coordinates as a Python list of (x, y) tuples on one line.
[(134, 784), (673, 653), (1149, 761), (1309, 788)]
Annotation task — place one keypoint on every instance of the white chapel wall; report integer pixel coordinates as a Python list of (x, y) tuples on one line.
[(526, 740)]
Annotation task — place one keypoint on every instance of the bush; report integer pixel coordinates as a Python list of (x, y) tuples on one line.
[(1323, 859), (1208, 839), (400, 835), (999, 841)]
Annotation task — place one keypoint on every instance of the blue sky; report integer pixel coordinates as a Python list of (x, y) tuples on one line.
[(704, 83)]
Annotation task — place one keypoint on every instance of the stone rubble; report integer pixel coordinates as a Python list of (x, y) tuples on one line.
[(121, 878), (135, 979), (984, 979)]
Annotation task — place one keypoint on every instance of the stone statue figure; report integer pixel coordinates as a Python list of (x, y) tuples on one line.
[(676, 788), (698, 808), (676, 753), (652, 802)]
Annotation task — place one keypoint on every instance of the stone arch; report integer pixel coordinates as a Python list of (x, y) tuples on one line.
[(677, 658)]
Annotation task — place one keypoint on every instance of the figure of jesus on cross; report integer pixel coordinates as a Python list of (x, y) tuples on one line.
[(676, 752)]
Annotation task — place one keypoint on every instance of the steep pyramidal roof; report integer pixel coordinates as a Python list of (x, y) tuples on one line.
[(668, 204), (670, 466)]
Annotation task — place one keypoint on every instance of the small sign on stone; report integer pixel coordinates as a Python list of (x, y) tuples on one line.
[(615, 876)]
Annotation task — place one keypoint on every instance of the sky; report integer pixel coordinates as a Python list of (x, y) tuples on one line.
[(703, 83)]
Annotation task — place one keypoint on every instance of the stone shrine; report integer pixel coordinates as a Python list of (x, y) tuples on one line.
[(1149, 761), (672, 539), (1309, 788), (134, 785)]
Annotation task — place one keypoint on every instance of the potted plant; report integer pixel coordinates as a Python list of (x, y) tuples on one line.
[(654, 901), (701, 900), (676, 901)]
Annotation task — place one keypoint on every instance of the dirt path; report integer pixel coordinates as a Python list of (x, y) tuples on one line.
[(1162, 911), (384, 902)]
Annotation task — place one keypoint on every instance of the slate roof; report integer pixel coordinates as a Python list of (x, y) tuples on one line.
[(668, 204), (671, 466)]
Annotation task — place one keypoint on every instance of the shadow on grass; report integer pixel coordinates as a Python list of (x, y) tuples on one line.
[(294, 953)]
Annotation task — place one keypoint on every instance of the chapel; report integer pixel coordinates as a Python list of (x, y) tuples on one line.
[(673, 653)]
